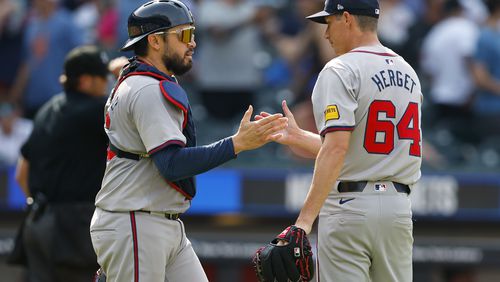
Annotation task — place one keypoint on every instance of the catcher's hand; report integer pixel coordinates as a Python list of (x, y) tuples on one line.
[(290, 262)]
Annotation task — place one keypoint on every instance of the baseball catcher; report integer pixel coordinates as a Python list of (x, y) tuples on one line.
[(286, 258)]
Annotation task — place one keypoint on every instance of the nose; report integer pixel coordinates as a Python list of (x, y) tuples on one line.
[(192, 44)]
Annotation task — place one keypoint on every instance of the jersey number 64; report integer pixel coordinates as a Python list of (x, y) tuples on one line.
[(407, 128)]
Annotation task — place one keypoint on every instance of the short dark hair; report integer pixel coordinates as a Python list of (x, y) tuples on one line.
[(141, 47), (366, 23), (83, 60)]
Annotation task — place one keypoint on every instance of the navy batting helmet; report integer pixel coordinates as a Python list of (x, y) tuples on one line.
[(155, 16)]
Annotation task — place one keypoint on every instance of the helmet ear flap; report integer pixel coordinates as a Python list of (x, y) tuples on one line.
[(155, 16)]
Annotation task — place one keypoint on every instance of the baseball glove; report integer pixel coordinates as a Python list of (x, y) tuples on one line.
[(290, 262)]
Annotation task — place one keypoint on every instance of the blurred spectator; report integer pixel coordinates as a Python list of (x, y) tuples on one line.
[(418, 7), (394, 22), (107, 25), (71, 4), (116, 65), (446, 58), (227, 73), (475, 10), (85, 17), (459, 275), (12, 22), (418, 31), (50, 34), (305, 51), (14, 130), (487, 65), (294, 43), (61, 168)]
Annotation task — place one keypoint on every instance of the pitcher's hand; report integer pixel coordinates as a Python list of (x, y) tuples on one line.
[(254, 134), (285, 136)]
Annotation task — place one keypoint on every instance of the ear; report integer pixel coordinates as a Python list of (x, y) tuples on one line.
[(347, 18), (153, 42)]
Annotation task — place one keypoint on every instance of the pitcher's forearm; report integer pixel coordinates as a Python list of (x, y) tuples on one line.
[(306, 144)]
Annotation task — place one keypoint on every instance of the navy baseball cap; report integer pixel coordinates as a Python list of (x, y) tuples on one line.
[(369, 8), (86, 60)]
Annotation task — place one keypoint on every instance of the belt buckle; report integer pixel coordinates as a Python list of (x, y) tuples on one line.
[(172, 216)]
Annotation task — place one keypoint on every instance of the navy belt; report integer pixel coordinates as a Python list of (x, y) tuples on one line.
[(359, 186), (127, 155), (171, 216)]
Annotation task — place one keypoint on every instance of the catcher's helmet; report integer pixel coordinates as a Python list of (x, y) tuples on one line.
[(155, 16)]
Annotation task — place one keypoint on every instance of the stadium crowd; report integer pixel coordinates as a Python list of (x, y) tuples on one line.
[(263, 51)]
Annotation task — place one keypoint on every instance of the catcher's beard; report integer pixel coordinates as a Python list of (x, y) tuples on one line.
[(175, 63)]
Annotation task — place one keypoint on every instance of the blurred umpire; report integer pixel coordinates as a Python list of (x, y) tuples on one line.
[(61, 168)]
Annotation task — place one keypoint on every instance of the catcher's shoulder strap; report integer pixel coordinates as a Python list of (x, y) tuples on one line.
[(177, 96), (173, 93), (138, 67), (169, 87)]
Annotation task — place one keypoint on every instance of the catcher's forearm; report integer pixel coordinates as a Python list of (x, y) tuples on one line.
[(326, 170)]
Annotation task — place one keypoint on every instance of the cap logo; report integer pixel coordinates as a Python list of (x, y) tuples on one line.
[(377, 12), (340, 7)]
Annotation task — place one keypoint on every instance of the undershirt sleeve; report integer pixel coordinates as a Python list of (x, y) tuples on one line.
[(175, 162)]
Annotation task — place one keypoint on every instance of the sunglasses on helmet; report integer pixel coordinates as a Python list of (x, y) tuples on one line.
[(185, 35)]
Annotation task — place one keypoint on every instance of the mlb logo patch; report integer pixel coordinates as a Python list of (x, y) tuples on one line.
[(380, 187)]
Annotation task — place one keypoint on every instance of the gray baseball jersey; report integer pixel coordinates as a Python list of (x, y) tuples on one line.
[(367, 236), (131, 244), (380, 103), (142, 120)]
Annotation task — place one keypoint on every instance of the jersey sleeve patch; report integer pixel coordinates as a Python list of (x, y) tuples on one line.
[(331, 113)]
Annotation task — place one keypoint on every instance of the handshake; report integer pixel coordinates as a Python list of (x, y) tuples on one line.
[(273, 127)]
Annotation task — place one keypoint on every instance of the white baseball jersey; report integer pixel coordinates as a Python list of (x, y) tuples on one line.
[(141, 121), (376, 94)]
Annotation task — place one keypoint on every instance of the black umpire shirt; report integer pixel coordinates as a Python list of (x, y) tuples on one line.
[(67, 148)]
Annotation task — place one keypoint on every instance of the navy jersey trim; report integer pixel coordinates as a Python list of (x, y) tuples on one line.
[(179, 189), (135, 246), (168, 143), (317, 257), (375, 53), (336, 128), (144, 73)]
